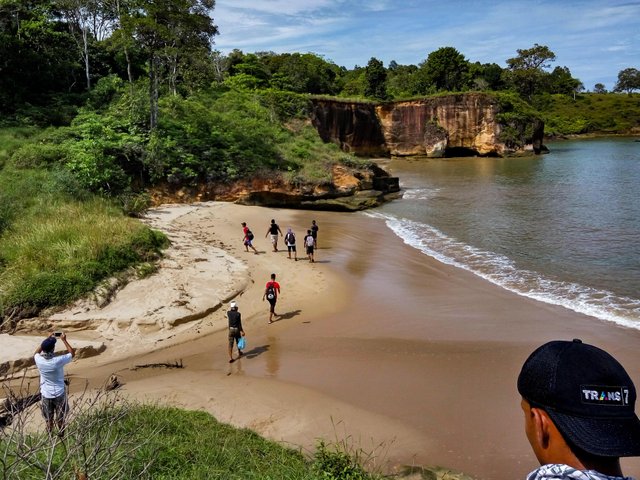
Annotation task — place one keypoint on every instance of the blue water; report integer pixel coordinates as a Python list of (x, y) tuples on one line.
[(562, 228)]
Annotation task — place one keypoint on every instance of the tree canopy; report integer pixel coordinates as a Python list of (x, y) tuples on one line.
[(628, 80)]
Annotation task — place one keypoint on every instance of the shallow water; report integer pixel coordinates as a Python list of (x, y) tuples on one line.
[(563, 228)]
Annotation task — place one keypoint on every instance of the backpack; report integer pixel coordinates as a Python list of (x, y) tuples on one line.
[(271, 292), (290, 239), (249, 235), (309, 241)]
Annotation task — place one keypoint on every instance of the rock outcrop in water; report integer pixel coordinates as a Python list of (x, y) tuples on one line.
[(451, 125)]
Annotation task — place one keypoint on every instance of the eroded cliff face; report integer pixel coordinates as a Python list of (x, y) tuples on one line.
[(350, 189), (354, 126), (452, 125)]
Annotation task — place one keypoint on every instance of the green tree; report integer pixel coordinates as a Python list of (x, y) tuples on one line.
[(599, 88), (445, 69), (401, 81), (526, 71), (38, 63), (171, 32), (303, 73), (628, 80), (354, 82), (375, 80), (485, 76), (561, 81)]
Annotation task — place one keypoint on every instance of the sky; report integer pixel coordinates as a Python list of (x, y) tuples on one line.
[(595, 39)]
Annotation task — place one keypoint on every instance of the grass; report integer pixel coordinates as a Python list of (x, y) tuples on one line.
[(11, 139), (123, 440), (311, 157), (57, 241), (63, 249), (608, 113)]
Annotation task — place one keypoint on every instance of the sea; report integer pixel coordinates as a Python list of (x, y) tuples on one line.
[(561, 228)]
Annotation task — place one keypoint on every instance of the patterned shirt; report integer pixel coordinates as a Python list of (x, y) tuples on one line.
[(565, 472)]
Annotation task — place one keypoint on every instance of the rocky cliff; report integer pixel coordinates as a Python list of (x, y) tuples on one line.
[(451, 125), (350, 189)]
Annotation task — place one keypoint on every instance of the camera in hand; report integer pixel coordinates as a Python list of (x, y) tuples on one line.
[(57, 334)]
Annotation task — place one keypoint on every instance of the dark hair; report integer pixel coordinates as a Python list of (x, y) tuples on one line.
[(273, 275)]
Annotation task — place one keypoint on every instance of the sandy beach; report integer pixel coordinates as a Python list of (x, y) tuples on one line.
[(377, 344)]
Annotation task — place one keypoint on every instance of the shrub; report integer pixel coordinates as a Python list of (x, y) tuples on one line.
[(335, 464), (34, 155)]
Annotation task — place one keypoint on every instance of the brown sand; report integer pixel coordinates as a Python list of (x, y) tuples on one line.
[(377, 344)]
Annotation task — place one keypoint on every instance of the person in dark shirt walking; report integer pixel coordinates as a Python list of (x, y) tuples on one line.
[(314, 233), (235, 329), (273, 230)]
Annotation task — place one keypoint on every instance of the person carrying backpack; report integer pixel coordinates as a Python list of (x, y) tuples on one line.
[(290, 242), (271, 292), (309, 242), (247, 239)]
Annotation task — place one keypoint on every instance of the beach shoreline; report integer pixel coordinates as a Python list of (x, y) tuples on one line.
[(377, 343)]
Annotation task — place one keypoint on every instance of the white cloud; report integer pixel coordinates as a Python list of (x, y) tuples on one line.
[(582, 33)]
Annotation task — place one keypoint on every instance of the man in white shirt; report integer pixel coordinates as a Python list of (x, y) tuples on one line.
[(52, 387)]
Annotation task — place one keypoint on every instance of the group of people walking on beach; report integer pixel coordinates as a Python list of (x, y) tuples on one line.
[(310, 240), (272, 287)]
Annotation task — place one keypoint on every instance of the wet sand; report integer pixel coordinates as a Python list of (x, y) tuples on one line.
[(378, 344)]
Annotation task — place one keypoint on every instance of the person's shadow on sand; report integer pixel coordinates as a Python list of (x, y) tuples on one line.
[(256, 351), (287, 316)]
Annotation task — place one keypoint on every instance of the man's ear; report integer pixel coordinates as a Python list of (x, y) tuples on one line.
[(543, 429)]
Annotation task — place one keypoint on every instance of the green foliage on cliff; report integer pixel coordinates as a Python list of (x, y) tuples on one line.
[(612, 113), (219, 135), (518, 119)]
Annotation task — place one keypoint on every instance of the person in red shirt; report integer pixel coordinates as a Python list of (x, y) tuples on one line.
[(271, 292), (248, 238)]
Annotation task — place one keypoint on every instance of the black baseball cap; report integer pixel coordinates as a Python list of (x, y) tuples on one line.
[(588, 395)]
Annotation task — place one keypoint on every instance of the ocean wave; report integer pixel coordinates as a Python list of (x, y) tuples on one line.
[(419, 193), (502, 271)]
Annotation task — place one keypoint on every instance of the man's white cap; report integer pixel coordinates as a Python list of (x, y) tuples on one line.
[(233, 305)]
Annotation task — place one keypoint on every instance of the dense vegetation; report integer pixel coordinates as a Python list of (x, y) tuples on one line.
[(590, 113), (57, 239)]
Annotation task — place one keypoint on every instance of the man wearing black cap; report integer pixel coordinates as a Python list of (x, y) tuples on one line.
[(578, 404), (52, 387)]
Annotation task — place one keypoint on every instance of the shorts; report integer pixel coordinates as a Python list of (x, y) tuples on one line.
[(274, 238), (234, 336), (248, 243), (291, 248), (310, 250), (272, 303), (57, 407)]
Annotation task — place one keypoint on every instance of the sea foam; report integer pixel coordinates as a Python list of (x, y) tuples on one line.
[(502, 271)]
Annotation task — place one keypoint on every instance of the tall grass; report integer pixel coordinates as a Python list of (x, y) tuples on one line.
[(58, 241), (11, 139), (63, 249)]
